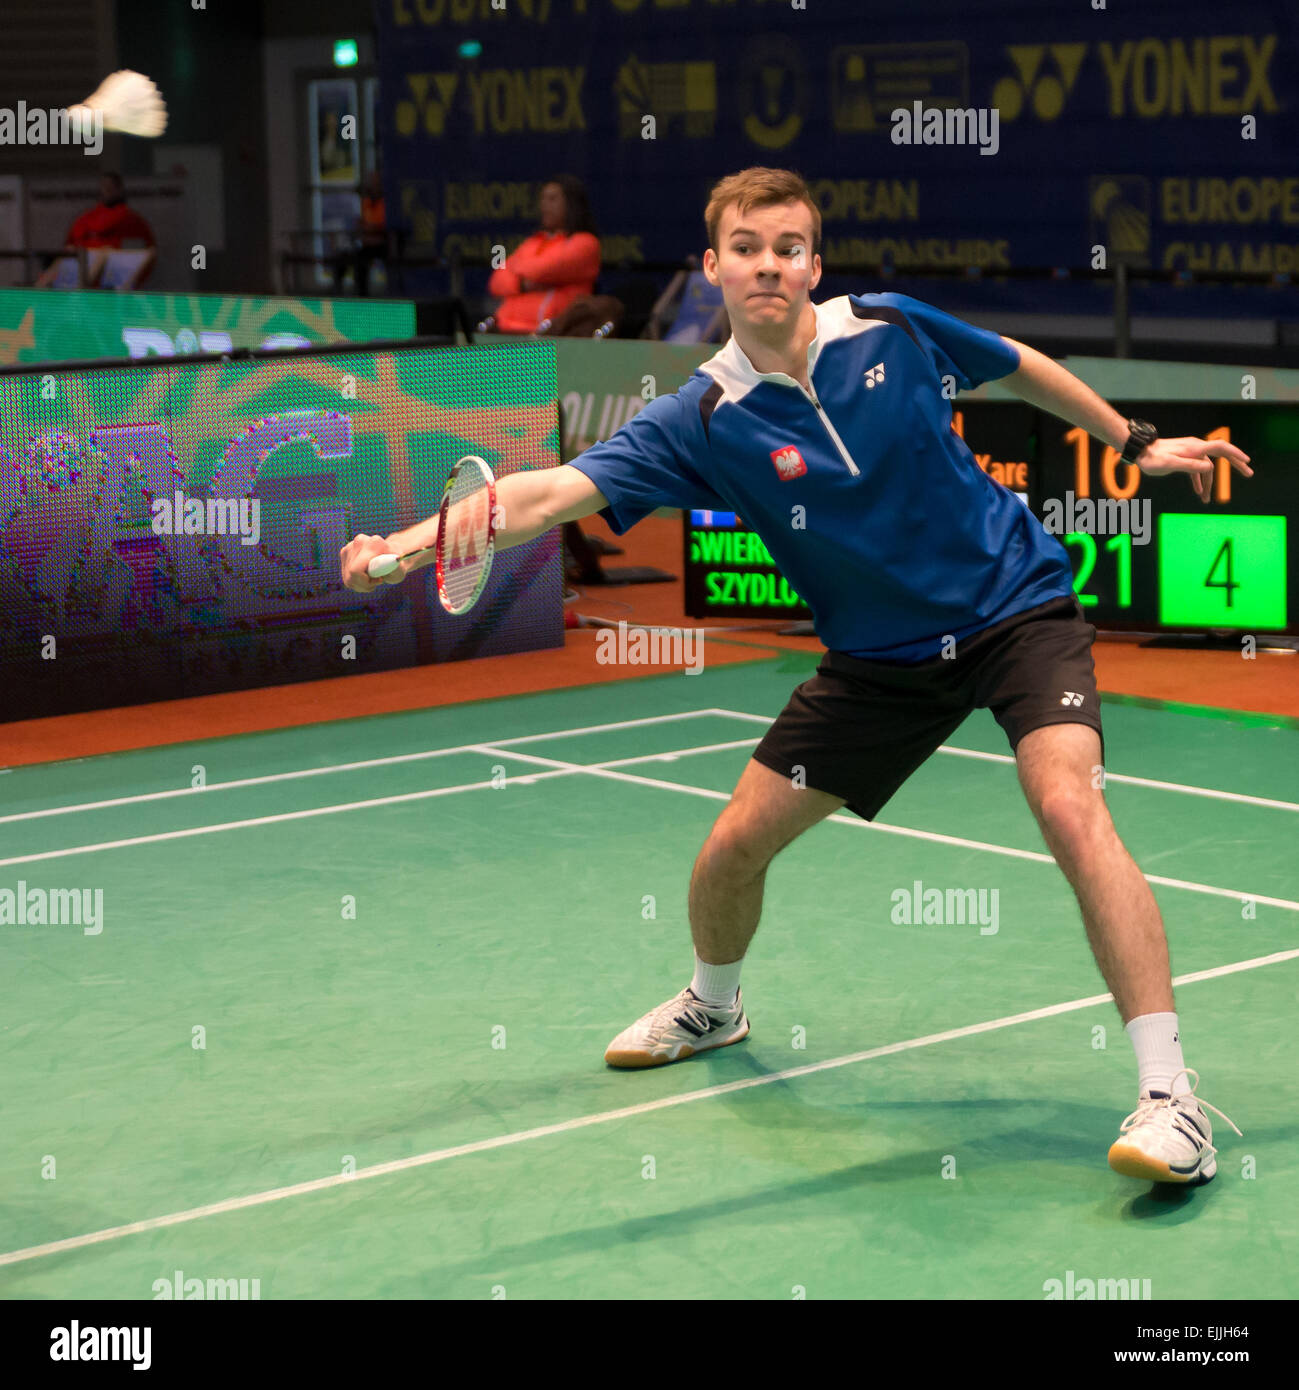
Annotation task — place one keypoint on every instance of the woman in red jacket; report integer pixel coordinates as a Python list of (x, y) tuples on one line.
[(554, 266)]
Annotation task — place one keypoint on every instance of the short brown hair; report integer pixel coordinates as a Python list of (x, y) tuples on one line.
[(759, 188)]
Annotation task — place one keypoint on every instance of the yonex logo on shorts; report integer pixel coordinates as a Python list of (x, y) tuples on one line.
[(1071, 697), (874, 376), (789, 462)]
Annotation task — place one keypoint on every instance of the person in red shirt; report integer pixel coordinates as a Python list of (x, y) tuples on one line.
[(106, 226), (554, 266)]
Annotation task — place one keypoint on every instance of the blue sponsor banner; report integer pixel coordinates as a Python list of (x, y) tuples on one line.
[(1029, 133)]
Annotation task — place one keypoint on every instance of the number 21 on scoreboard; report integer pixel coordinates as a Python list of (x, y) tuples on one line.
[(1121, 545)]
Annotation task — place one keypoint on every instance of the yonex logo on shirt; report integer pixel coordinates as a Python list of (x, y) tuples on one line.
[(874, 376), (789, 462), (1071, 697)]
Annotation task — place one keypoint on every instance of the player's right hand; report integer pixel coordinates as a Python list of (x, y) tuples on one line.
[(354, 559)]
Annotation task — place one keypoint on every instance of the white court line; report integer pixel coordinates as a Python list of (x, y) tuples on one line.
[(562, 768), (846, 818), (569, 733), (378, 1170), (347, 767), (1183, 787)]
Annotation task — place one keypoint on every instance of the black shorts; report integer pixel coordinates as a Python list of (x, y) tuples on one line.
[(859, 729)]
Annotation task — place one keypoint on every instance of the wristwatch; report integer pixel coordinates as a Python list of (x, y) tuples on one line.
[(1140, 433)]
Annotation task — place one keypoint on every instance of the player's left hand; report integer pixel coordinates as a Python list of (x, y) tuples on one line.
[(1193, 456)]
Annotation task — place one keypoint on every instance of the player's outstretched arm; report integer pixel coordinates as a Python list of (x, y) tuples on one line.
[(573, 495), (1043, 382), (527, 504)]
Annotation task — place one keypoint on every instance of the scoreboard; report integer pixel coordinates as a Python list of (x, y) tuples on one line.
[(1167, 562), (1147, 554)]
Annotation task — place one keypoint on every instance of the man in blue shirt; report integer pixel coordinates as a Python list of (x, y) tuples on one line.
[(828, 428)]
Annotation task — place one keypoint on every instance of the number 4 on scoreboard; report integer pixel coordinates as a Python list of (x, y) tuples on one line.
[(1225, 571), (1227, 585)]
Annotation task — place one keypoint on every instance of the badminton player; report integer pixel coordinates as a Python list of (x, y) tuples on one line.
[(827, 427)]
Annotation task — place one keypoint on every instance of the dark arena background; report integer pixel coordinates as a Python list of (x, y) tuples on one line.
[(326, 912)]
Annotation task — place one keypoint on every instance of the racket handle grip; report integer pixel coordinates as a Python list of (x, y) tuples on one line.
[(382, 565)]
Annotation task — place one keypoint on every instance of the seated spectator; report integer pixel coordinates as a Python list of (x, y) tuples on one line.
[(554, 266), (107, 225), (371, 233)]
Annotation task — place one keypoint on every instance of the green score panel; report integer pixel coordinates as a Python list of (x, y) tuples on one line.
[(1222, 571)]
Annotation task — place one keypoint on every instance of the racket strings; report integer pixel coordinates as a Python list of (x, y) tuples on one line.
[(467, 547)]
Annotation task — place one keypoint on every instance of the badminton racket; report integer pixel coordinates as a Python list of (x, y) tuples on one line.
[(466, 537)]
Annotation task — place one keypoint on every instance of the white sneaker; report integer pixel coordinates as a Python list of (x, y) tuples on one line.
[(1168, 1139), (677, 1030)]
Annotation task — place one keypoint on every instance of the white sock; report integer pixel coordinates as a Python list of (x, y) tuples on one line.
[(1157, 1040), (717, 985)]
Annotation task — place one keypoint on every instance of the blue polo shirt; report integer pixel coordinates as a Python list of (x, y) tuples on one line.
[(872, 507)]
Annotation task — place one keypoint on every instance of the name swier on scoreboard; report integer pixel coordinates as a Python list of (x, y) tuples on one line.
[(729, 586)]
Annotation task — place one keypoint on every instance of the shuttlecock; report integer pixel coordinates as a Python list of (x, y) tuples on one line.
[(129, 102)]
